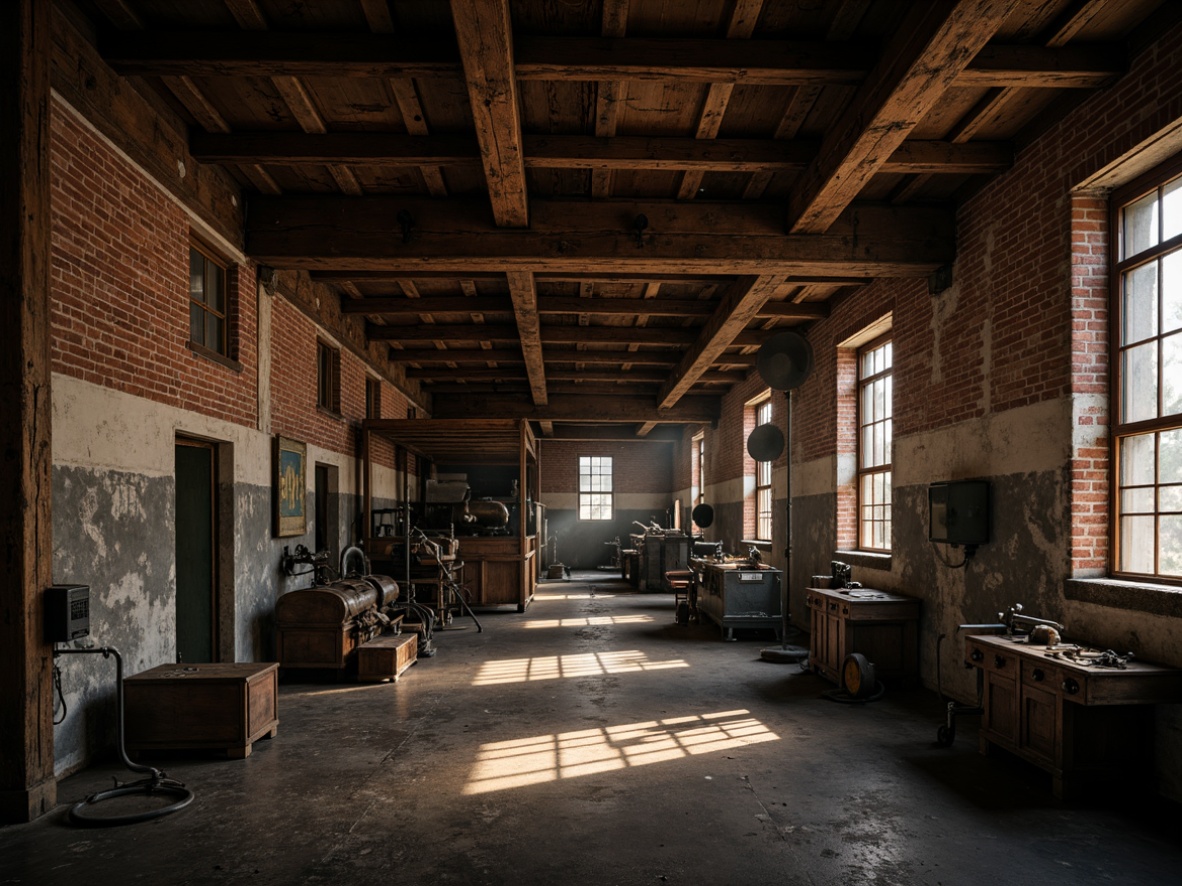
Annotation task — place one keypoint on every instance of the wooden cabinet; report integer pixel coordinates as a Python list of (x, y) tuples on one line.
[(880, 625), (496, 573), (1088, 726)]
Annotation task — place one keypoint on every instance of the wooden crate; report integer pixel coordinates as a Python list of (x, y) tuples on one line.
[(222, 706), (386, 657)]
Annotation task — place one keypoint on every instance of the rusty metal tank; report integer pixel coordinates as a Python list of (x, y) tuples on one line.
[(319, 627)]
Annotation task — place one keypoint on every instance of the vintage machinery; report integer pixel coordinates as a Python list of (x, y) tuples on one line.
[(739, 595), (321, 626)]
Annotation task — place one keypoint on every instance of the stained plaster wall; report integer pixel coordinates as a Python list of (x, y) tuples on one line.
[(114, 518)]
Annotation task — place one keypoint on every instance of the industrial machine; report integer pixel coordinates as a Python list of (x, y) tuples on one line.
[(739, 594)]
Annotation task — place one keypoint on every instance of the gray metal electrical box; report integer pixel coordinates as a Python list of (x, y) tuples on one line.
[(67, 613)]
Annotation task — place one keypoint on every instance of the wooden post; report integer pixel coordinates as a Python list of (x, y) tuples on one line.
[(27, 786)]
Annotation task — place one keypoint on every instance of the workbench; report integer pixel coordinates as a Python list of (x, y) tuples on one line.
[(1090, 727)]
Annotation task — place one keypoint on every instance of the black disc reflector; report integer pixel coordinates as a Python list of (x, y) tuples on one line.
[(785, 361), (765, 443), (703, 515)]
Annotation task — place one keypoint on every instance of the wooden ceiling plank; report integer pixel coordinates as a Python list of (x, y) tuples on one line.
[(738, 307), (740, 26), (485, 36), (933, 44), (609, 95), (524, 294), (392, 308), (406, 95)]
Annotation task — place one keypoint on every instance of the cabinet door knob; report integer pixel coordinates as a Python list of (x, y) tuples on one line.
[(999, 661), (977, 655), (1071, 687), (1038, 675)]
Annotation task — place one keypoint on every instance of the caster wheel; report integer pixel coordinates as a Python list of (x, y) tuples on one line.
[(945, 736)]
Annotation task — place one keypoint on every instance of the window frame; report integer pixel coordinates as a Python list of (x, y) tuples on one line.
[(210, 259), (1153, 182), (865, 541), (328, 377), (373, 397), (590, 498), (764, 509)]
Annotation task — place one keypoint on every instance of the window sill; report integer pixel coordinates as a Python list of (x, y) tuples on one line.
[(1137, 596), (755, 542), (210, 354), (333, 415), (865, 559)]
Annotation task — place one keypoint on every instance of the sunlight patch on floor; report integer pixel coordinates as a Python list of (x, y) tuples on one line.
[(526, 761), (588, 621), (557, 667)]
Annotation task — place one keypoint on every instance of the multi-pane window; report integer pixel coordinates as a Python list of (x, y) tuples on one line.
[(207, 302), (698, 471), (328, 377), (763, 480), (874, 445), (595, 487), (373, 398), (1148, 365)]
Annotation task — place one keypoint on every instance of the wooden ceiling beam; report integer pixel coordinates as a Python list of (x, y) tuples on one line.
[(484, 33), (401, 308), (609, 94), (202, 53), (524, 295), (580, 152), (582, 408), (738, 307), (595, 374), (326, 233), (933, 44)]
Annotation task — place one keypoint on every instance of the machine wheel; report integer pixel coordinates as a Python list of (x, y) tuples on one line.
[(945, 736)]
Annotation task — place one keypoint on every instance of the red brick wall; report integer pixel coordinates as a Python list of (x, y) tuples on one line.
[(1089, 370), (120, 270)]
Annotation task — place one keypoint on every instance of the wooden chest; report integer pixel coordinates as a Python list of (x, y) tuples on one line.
[(386, 657), (225, 706)]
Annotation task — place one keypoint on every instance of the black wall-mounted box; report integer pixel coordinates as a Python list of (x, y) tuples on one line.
[(67, 613), (958, 512)]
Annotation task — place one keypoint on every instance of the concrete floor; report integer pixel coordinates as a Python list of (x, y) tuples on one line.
[(592, 741)]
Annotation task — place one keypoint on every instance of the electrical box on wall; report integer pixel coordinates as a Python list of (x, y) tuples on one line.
[(67, 613), (958, 512)]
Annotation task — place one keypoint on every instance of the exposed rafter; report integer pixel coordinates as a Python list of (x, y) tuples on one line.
[(932, 46), (322, 233), (485, 36)]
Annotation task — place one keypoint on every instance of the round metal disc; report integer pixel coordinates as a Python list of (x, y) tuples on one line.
[(785, 361), (703, 515), (765, 443)]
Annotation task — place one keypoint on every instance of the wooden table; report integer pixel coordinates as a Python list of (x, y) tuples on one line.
[(1089, 726), (880, 625), (222, 706)]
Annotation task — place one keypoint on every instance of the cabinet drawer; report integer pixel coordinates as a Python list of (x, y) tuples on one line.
[(992, 661)]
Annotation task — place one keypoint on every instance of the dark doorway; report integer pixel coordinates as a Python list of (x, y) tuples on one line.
[(327, 512), (196, 562)]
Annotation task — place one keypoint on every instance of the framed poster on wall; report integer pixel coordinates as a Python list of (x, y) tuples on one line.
[(289, 492)]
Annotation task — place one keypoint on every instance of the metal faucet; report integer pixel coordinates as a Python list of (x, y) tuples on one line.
[(1015, 617)]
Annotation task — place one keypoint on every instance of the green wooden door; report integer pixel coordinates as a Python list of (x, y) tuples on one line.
[(195, 562)]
